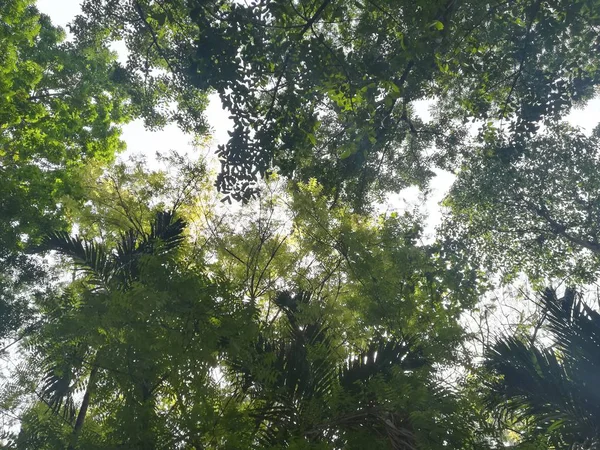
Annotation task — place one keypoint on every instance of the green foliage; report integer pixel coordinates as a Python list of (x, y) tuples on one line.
[(362, 286), (120, 267), (301, 319), (140, 333), (390, 276), (308, 391), (60, 109), (159, 345), (531, 209), (551, 390), (60, 113), (326, 89)]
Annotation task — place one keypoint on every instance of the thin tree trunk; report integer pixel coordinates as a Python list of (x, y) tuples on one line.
[(85, 403), (147, 409)]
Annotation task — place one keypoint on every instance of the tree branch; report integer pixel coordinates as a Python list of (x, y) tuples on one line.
[(536, 9)]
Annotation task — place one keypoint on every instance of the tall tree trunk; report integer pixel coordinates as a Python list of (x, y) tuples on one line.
[(85, 403), (147, 415)]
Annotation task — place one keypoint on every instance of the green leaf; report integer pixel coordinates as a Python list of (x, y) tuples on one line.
[(437, 25), (347, 153)]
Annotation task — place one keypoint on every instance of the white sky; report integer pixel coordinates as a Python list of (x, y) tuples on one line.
[(140, 140)]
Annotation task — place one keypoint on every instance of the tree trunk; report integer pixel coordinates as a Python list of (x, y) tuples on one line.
[(85, 403)]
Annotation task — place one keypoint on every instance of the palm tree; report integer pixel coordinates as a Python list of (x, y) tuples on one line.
[(107, 271), (555, 391), (302, 390)]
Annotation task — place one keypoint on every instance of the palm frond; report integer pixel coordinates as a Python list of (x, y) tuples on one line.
[(291, 373), (293, 376), (90, 257), (534, 385), (165, 235), (167, 230), (299, 368), (126, 256), (57, 390), (576, 330), (379, 359), (122, 265)]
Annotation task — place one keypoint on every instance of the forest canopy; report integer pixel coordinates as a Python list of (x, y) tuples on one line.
[(271, 292)]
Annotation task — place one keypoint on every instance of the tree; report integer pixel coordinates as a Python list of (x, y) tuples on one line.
[(114, 336), (533, 209), (333, 288), (303, 319), (325, 89), (107, 272), (61, 108), (228, 355), (306, 391), (551, 391)]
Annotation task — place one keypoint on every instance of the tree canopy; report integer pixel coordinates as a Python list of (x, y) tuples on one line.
[(326, 89), (140, 310)]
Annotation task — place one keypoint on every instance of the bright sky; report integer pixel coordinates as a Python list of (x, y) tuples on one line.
[(140, 140)]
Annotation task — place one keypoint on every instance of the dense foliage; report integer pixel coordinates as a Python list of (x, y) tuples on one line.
[(139, 311), (552, 390), (544, 220), (325, 89)]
